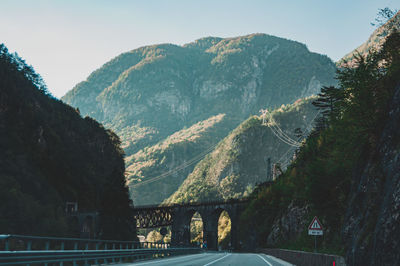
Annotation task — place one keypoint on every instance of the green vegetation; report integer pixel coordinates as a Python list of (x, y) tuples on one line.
[(51, 155), (388, 21), (320, 179), (163, 166), (224, 230), (154, 236), (148, 94), (196, 229), (239, 161)]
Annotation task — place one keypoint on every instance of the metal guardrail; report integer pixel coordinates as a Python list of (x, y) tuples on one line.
[(22, 242), (87, 257), (28, 250)]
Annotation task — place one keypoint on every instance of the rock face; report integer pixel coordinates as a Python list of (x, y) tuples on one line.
[(150, 93), (288, 226), (372, 224)]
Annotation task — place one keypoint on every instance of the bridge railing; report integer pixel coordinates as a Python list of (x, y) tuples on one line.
[(19, 249)]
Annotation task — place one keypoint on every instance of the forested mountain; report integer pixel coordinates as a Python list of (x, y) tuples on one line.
[(171, 159), (346, 173), (150, 93), (51, 155), (240, 161), (375, 41)]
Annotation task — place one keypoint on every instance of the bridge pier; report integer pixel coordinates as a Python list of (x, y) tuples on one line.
[(180, 232), (210, 229), (179, 217), (234, 231)]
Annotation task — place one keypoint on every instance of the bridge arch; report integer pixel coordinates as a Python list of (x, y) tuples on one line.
[(196, 229), (224, 230), (179, 217)]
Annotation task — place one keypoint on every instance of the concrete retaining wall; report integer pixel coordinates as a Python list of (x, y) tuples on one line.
[(301, 258)]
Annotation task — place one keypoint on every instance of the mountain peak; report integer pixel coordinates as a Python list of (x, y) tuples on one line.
[(203, 43)]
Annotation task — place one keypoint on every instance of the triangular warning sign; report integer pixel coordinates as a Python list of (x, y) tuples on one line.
[(315, 224)]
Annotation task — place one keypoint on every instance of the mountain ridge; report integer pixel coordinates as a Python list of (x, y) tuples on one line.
[(148, 94)]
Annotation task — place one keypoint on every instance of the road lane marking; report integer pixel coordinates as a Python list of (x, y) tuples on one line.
[(169, 259), (264, 260), (214, 261)]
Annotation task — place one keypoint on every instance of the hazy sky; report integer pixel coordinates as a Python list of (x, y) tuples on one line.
[(66, 40)]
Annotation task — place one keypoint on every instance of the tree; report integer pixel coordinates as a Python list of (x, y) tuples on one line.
[(383, 16)]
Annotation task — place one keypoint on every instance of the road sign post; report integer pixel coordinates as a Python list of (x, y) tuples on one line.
[(315, 229)]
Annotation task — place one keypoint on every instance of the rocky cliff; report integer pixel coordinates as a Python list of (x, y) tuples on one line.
[(372, 223)]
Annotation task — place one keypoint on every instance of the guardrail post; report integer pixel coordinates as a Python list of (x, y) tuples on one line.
[(113, 247), (86, 248), (7, 245), (105, 248), (120, 247), (75, 248), (97, 248), (47, 246), (29, 246), (62, 248)]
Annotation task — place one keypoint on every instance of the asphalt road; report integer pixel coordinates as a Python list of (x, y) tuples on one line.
[(216, 259)]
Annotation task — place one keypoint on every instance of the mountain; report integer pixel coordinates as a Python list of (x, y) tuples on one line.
[(150, 93), (240, 161), (50, 155), (346, 172), (374, 42), (165, 165)]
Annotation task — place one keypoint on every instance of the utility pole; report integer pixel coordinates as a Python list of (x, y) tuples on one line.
[(269, 170), (276, 171), (264, 113)]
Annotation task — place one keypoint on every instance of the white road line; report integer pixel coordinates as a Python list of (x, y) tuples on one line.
[(214, 261), (264, 260), (165, 260)]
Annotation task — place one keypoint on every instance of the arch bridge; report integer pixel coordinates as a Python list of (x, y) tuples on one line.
[(179, 216)]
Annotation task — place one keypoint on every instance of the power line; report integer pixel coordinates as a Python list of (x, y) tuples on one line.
[(279, 136), (307, 129), (289, 139), (276, 130), (178, 168)]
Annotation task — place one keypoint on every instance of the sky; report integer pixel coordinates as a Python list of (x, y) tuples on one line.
[(67, 40)]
